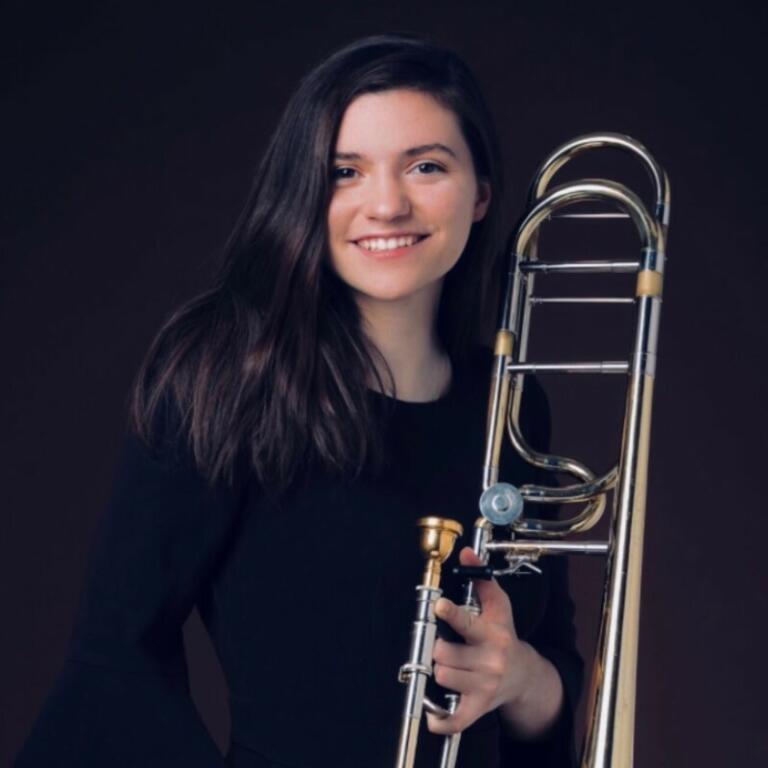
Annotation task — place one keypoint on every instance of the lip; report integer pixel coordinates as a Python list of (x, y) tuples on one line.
[(387, 235), (391, 253)]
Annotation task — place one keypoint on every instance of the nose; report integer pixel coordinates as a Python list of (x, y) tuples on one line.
[(386, 198)]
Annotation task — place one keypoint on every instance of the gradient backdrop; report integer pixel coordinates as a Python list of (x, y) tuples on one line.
[(129, 135)]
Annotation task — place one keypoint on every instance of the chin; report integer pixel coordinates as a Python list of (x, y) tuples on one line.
[(395, 291), (384, 295)]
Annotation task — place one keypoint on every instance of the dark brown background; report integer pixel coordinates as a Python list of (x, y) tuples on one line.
[(129, 134)]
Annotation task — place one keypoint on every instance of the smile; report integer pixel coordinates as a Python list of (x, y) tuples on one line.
[(391, 245)]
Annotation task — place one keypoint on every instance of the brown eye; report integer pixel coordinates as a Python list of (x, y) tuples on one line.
[(430, 167), (342, 172)]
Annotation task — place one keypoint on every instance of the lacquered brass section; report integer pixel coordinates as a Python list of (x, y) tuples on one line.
[(505, 342), (649, 283), (438, 535), (627, 686), (610, 737)]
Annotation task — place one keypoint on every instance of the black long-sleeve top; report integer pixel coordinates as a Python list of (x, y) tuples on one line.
[(308, 599)]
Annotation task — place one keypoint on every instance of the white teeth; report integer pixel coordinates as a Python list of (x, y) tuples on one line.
[(386, 244)]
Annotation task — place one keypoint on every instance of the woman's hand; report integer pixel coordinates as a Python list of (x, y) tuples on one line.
[(494, 668)]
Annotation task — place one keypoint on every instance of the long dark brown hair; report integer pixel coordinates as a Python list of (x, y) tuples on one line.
[(270, 364)]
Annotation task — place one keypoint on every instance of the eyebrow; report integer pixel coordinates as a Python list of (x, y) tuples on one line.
[(410, 152)]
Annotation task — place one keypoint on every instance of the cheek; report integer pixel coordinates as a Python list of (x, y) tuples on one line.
[(453, 205), (337, 218)]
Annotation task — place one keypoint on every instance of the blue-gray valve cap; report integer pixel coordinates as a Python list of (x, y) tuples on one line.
[(501, 504)]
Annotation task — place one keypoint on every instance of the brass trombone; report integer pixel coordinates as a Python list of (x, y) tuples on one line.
[(610, 732)]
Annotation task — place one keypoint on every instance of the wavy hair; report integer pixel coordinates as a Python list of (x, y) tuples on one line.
[(270, 364)]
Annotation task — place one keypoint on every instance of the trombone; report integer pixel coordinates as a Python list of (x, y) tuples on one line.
[(505, 507)]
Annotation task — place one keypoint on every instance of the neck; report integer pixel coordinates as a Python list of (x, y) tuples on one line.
[(404, 332)]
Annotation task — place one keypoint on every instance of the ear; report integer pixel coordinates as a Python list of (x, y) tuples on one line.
[(482, 200)]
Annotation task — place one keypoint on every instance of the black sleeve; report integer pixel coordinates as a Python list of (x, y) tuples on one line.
[(555, 636), (122, 698)]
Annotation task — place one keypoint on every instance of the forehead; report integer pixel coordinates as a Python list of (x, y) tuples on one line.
[(395, 119)]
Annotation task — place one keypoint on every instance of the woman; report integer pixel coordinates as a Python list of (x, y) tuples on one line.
[(287, 429)]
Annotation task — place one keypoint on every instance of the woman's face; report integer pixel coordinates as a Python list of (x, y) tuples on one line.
[(404, 196)]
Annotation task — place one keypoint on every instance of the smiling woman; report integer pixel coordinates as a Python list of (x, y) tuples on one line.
[(296, 419), (395, 198), (399, 219)]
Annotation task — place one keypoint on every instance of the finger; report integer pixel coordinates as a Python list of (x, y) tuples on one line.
[(470, 626), (476, 658), (493, 599), (466, 713), (457, 655), (468, 556), (464, 681)]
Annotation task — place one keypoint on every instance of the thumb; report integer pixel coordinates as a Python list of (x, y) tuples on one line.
[(468, 556), (493, 599)]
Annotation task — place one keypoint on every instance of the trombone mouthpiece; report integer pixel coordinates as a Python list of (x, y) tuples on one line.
[(438, 535)]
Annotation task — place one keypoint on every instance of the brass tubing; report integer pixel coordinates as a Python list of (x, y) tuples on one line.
[(566, 152), (528, 547), (581, 267), (610, 729), (609, 742), (584, 191), (497, 406), (436, 540)]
